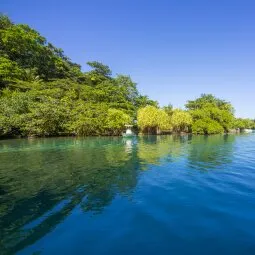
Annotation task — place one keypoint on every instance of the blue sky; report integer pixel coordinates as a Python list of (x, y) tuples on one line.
[(175, 50)]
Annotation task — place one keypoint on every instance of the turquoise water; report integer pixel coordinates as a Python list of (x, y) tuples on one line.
[(146, 195)]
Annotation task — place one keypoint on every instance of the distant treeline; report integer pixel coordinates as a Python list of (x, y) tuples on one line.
[(43, 93), (205, 115)]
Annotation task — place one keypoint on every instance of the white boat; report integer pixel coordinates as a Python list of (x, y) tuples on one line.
[(128, 132), (246, 130)]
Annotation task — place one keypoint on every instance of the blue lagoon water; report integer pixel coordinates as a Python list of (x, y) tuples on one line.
[(146, 195)]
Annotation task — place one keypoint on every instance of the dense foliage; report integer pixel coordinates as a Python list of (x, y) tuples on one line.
[(244, 123), (210, 115), (204, 115), (181, 120), (151, 119), (43, 93)]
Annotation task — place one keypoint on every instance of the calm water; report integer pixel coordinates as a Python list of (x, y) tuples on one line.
[(147, 195)]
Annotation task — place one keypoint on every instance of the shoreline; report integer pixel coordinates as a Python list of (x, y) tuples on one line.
[(105, 136)]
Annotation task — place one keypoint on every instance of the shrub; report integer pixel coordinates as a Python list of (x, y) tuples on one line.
[(207, 126)]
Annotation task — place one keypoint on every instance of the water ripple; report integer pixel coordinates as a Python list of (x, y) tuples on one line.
[(148, 195)]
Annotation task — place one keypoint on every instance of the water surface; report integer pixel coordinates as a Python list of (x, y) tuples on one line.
[(146, 195)]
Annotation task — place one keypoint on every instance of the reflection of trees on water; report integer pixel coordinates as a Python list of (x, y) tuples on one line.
[(159, 149), (206, 152), (43, 180), (89, 172), (20, 238)]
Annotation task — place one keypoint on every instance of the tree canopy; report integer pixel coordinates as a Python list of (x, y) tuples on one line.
[(152, 119), (181, 120), (44, 93), (210, 115)]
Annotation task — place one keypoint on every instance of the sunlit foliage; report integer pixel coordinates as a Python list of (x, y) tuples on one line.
[(181, 120), (151, 119), (43, 93), (210, 115)]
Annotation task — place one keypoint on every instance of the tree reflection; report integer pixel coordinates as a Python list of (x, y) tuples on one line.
[(43, 180), (207, 152), (89, 171), (161, 149)]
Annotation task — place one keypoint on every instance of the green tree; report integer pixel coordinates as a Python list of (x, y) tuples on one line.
[(151, 119), (128, 87), (9, 71), (143, 101), (100, 68), (87, 118), (25, 46), (205, 99), (5, 22), (244, 123), (210, 111), (13, 108), (116, 120), (46, 118), (181, 120), (169, 109), (207, 126)]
